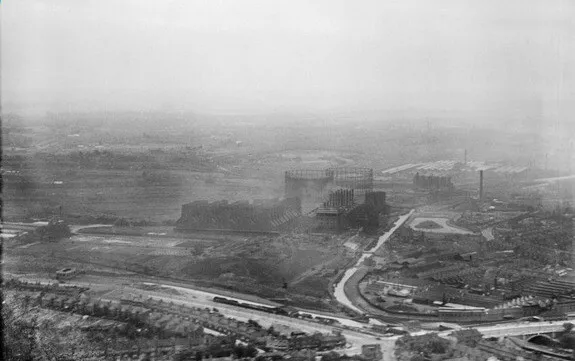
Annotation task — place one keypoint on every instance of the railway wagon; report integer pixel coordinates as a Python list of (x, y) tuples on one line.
[(461, 315), (251, 306)]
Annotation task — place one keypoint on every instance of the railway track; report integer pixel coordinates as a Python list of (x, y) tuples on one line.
[(173, 281), (137, 271)]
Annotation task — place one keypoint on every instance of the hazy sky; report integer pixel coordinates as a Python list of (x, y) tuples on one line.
[(513, 56)]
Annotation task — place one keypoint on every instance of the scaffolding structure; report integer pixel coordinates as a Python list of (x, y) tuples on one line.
[(311, 186), (328, 187), (358, 179), (321, 181)]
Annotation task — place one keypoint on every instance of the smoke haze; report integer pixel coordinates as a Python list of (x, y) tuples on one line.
[(470, 58)]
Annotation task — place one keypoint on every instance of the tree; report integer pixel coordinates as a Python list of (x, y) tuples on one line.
[(25, 338), (130, 331), (417, 357), (238, 351), (254, 324), (425, 345), (187, 355), (19, 343), (331, 356), (567, 340), (25, 184), (469, 337), (437, 346), (250, 351)]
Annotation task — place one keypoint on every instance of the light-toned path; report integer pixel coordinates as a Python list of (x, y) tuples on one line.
[(445, 227), (340, 294)]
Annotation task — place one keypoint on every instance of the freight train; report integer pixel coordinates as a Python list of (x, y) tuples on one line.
[(251, 306), (283, 311)]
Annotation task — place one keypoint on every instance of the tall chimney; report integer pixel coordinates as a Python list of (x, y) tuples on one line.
[(481, 185), (465, 157)]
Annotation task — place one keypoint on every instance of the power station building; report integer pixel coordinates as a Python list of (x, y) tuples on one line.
[(331, 199), (266, 215), (432, 182), (337, 198), (313, 186)]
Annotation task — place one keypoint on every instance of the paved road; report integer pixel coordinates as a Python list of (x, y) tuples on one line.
[(517, 329), (340, 293), (356, 337), (555, 179), (75, 228), (24, 224), (203, 299)]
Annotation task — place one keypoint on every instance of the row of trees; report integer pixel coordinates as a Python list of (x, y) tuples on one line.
[(27, 336), (218, 349), (420, 348)]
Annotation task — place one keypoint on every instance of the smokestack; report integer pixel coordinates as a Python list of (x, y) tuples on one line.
[(465, 157), (481, 185)]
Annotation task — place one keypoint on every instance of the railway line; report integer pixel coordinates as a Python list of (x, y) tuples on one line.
[(179, 282), (271, 314)]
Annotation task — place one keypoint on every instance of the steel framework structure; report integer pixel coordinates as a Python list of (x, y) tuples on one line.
[(358, 179)]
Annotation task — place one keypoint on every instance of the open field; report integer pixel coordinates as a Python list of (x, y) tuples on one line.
[(261, 264)]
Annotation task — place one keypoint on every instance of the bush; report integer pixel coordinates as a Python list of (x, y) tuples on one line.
[(122, 222), (245, 351), (467, 337), (422, 345)]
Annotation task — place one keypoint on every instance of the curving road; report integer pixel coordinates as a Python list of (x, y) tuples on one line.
[(75, 228), (339, 292)]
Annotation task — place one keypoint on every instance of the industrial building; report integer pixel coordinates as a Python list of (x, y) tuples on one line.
[(341, 212), (266, 215), (313, 186), (333, 199), (337, 198), (432, 182)]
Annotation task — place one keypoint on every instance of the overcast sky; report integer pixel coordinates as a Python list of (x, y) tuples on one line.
[(513, 56)]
